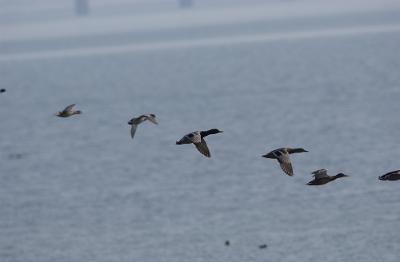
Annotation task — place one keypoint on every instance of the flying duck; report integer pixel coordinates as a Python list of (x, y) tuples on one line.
[(197, 138), (68, 111), (134, 122), (394, 175), (321, 177), (282, 155)]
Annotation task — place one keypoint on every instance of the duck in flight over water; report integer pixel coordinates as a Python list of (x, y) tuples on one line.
[(134, 122), (68, 111), (197, 138), (391, 176), (321, 177), (282, 155)]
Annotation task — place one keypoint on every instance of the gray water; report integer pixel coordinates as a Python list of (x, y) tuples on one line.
[(80, 189)]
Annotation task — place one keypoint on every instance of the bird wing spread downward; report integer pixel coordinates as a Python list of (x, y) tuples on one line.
[(203, 148), (133, 130), (285, 164)]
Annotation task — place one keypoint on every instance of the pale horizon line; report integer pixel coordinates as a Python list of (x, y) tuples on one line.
[(201, 42)]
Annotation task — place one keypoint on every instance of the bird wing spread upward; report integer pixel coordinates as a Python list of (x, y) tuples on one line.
[(203, 148), (320, 173), (68, 108)]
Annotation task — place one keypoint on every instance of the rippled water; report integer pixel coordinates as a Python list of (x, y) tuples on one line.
[(79, 189)]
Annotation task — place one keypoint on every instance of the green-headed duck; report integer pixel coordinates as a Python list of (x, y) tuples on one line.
[(197, 138), (282, 155)]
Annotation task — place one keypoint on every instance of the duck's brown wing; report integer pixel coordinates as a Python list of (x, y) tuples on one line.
[(320, 174), (286, 165), (203, 148)]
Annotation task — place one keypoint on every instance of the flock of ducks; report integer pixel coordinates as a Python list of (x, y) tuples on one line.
[(282, 155), (321, 176)]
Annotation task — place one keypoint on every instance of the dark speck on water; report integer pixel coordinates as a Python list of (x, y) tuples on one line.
[(263, 246), (15, 156)]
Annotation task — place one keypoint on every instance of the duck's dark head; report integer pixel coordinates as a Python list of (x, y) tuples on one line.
[(2, 90), (78, 112), (341, 175), (130, 122), (214, 131), (210, 132), (296, 150)]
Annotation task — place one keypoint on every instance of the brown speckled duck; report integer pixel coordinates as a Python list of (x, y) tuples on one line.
[(391, 176), (68, 111), (321, 177)]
